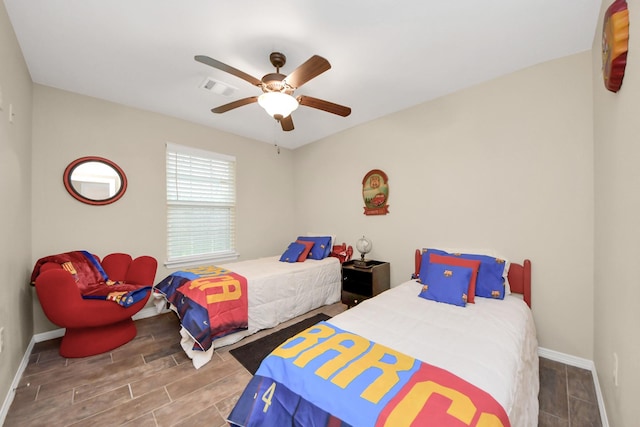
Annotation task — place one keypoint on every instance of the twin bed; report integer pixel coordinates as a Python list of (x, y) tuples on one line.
[(277, 292)]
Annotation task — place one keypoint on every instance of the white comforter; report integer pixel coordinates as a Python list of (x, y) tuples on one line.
[(491, 344), (277, 291)]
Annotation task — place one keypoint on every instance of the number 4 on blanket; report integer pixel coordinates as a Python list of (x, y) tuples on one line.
[(326, 376)]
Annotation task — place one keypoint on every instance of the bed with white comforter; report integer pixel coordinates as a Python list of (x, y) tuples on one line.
[(280, 291), (277, 291), (491, 344)]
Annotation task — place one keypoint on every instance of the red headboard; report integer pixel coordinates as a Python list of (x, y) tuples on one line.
[(519, 276)]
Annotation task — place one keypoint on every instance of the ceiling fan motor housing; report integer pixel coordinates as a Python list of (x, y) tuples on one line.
[(274, 82)]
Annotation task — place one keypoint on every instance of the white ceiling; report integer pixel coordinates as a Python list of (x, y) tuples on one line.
[(386, 56)]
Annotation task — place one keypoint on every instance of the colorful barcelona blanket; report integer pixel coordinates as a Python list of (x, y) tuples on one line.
[(211, 302), (326, 376), (92, 280)]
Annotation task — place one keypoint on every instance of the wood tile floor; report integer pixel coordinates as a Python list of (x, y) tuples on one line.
[(149, 382), (567, 396)]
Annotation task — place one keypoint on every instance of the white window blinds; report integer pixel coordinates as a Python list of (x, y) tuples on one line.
[(201, 204)]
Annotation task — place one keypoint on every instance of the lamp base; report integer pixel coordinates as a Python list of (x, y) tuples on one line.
[(362, 263)]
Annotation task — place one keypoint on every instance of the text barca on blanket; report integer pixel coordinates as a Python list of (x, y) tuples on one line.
[(91, 278), (210, 301), (326, 376)]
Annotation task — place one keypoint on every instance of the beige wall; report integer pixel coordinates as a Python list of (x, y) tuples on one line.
[(617, 215), (67, 126), (516, 155), (15, 190), (506, 165)]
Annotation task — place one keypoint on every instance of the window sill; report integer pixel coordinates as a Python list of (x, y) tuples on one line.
[(209, 260)]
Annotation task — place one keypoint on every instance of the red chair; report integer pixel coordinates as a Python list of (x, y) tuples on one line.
[(93, 326)]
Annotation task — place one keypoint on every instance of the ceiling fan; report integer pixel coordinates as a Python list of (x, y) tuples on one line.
[(277, 89)]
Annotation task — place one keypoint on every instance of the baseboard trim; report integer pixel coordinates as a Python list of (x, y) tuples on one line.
[(567, 359), (49, 335), (57, 333), (579, 362), (148, 312), (16, 381)]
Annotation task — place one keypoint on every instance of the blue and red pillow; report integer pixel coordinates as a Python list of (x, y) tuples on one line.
[(321, 247), (474, 265), (446, 283), (307, 248), (293, 252), (491, 277), (312, 247)]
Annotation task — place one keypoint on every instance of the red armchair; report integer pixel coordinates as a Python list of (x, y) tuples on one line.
[(93, 326)]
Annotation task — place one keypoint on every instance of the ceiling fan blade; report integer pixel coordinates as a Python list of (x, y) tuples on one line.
[(235, 104), (228, 69), (323, 105), (314, 66), (287, 123)]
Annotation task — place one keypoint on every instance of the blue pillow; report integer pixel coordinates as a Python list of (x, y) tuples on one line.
[(321, 247), (424, 264), (446, 283), (293, 252), (490, 281)]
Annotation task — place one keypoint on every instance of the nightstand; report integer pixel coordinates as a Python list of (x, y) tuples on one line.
[(360, 283)]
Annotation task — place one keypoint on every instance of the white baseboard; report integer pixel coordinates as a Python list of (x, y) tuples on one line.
[(579, 362), (57, 333), (16, 381), (148, 312), (567, 359), (49, 335)]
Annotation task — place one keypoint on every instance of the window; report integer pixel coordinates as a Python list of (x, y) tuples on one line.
[(201, 205)]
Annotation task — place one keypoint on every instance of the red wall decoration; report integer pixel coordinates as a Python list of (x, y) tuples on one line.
[(615, 43), (375, 193)]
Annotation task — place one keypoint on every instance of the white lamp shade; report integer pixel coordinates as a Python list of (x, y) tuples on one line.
[(277, 103)]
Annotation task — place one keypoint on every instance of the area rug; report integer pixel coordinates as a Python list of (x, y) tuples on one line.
[(251, 354)]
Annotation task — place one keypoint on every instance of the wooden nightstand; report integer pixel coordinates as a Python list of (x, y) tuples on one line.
[(360, 283)]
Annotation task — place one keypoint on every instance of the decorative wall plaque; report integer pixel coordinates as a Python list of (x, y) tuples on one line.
[(375, 192), (615, 43)]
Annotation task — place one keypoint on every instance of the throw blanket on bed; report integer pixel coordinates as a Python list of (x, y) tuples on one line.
[(92, 279), (211, 302), (326, 376)]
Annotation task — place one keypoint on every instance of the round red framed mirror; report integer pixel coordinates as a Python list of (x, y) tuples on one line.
[(95, 180)]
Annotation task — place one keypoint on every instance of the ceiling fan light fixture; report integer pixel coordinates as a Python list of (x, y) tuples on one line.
[(278, 103)]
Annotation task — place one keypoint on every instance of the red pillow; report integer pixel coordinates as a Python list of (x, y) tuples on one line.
[(307, 249), (461, 262)]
